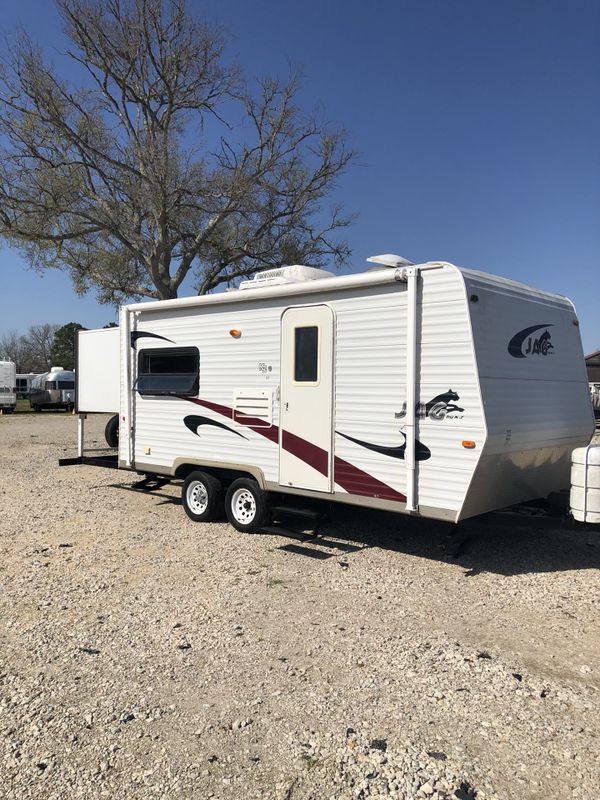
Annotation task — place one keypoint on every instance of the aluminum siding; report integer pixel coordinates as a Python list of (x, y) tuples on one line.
[(369, 384), (537, 407)]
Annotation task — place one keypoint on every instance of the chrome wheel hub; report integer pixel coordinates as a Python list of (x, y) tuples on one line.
[(243, 506), (197, 497)]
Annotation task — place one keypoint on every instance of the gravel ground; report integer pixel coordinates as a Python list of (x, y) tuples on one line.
[(145, 656)]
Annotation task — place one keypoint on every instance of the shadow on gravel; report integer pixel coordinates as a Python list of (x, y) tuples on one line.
[(515, 547), (165, 499)]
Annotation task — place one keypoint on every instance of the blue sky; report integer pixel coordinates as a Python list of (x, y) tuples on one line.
[(477, 124)]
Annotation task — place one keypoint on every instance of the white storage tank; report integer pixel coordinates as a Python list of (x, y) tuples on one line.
[(585, 483)]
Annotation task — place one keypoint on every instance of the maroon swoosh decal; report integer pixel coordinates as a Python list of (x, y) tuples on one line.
[(306, 451), (255, 424), (346, 475), (356, 481)]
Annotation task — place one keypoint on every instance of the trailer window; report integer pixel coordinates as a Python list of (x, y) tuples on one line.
[(50, 385), (306, 354), (66, 384), (168, 371)]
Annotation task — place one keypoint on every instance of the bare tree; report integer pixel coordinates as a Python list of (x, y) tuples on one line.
[(117, 181), (31, 352), (39, 341), (13, 347)]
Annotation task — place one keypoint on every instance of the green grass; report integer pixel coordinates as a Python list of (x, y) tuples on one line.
[(23, 407)]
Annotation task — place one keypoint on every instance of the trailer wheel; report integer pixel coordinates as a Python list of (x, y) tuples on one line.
[(201, 496), (111, 432), (246, 505)]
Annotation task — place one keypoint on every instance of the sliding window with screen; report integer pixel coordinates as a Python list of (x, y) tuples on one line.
[(168, 371)]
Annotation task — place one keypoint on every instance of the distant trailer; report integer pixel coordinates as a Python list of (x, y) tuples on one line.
[(428, 390), (24, 384), (8, 387), (54, 389), (595, 395)]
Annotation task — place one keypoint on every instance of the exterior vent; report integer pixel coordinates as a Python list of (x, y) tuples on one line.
[(254, 407), (296, 273), (390, 260)]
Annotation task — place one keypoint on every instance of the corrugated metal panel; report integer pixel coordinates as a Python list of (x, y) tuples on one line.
[(252, 361), (370, 387), (535, 398), (540, 401)]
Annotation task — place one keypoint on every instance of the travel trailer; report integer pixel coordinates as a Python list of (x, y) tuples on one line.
[(595, 396), (54, 389), (24, 383), (426, 389), (8, 387)]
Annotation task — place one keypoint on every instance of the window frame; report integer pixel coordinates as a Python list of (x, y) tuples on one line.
[(163, 351), (317, 380)]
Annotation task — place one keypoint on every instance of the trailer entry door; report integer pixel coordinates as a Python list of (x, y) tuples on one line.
[(306, 429)]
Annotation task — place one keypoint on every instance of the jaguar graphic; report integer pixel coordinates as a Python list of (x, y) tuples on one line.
[(437, 408)]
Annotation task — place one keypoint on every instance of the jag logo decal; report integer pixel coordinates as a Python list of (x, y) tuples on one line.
[(525, 343), (440, 407)]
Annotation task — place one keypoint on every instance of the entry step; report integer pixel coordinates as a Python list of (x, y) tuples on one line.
[(297, 512)]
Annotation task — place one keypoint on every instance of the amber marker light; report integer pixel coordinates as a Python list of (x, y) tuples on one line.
[(468, 444), (235, 333)]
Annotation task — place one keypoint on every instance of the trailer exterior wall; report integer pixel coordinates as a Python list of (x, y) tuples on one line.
[(370, 390), (469, 389), (534, 388), (8, 385)]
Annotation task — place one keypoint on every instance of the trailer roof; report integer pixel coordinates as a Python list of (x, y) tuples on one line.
[(337, 282), (371, 277)]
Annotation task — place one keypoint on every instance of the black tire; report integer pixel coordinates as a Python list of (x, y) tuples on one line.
[(111, 432), (202, 497), (247, 506)]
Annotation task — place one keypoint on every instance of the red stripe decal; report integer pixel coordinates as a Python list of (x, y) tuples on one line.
[(306, 451), (255, 424), (346, 475), (356, 481)]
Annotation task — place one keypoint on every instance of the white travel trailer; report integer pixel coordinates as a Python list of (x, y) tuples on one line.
[(425, 389), (24, 380), (595, 397), (54, 389), (8, 387)]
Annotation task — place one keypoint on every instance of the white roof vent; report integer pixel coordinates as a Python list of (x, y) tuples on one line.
[(57, 369), (390, 260), (295, 273)]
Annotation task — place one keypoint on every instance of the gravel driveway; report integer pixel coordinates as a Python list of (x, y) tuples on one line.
[(145, 656)]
